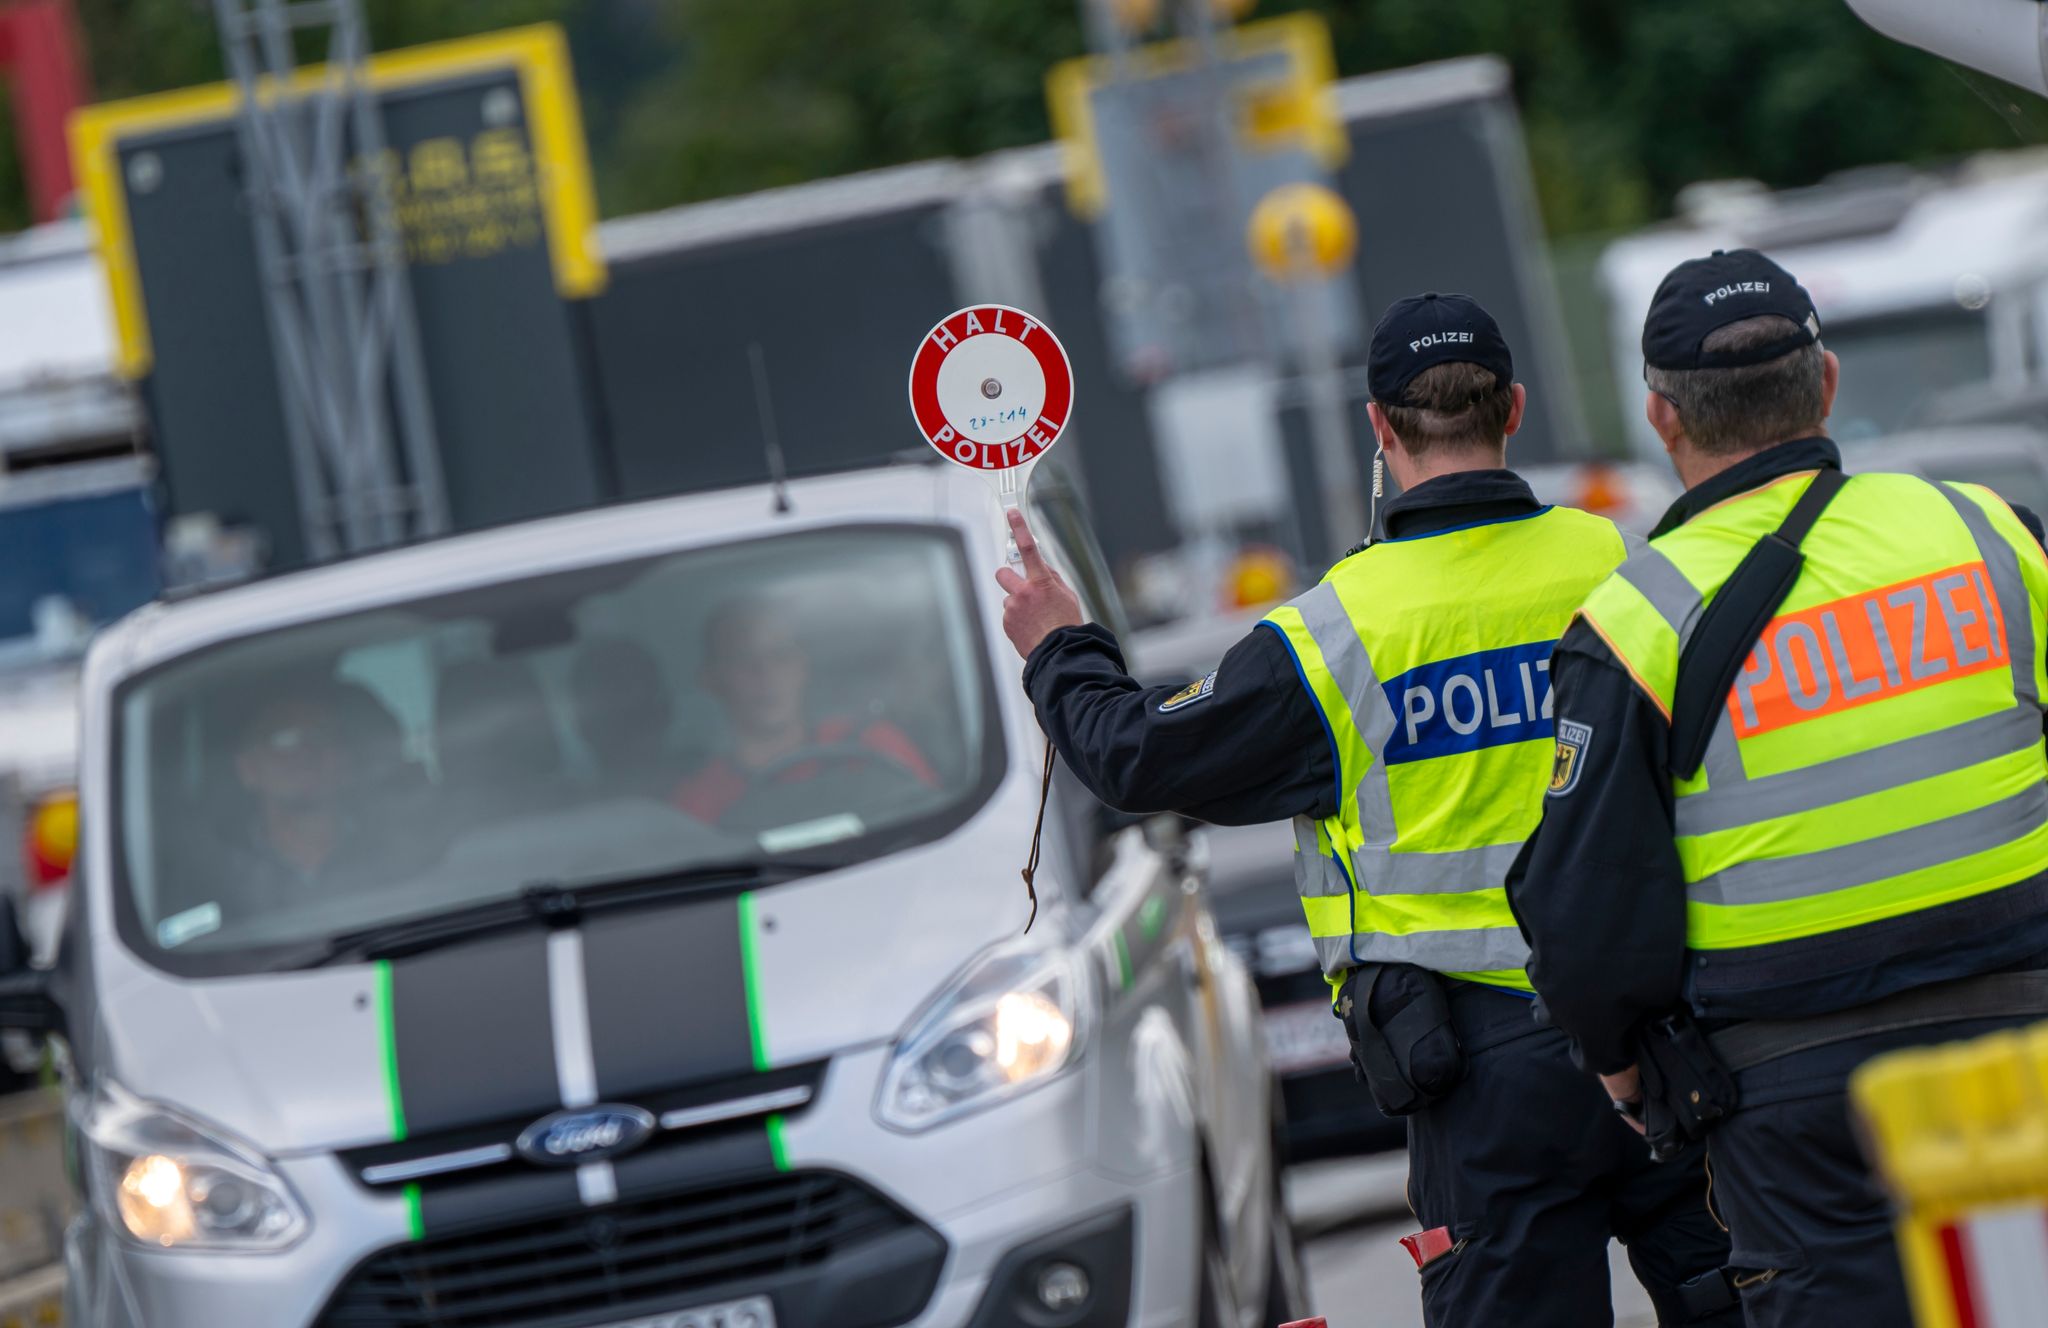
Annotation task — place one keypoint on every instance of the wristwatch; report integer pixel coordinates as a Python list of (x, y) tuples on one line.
[(1632, 1108)]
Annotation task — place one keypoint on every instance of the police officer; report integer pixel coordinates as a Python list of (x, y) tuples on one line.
[(1400, 713), (1865, 832)]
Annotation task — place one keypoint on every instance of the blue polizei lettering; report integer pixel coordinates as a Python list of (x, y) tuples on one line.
[(1485, 699)]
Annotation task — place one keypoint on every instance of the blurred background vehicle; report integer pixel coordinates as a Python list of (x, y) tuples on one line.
[(1931, 285), (2009, 460)]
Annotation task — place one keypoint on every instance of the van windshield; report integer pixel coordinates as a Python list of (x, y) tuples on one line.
[(821, 696)]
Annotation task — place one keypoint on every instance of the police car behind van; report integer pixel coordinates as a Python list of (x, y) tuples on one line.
[(614, 921)]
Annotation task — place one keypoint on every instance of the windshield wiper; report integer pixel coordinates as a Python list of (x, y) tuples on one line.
[(546, 903)]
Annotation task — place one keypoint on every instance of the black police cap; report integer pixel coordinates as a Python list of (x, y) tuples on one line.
[(1703, 295), (1426, 330)]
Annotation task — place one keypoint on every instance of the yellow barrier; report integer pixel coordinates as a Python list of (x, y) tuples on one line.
[(1959, 1134)]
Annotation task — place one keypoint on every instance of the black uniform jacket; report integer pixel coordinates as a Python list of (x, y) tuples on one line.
[(1246, 744), (1601, 898)]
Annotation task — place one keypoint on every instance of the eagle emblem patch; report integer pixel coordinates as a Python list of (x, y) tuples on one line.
[(1199, 690), (1572, 740)]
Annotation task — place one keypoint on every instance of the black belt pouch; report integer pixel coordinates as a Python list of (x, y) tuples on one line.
[(1402, 1043), (1687, 1087)]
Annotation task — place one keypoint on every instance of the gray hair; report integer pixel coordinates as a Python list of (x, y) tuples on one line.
[(1727, 412)]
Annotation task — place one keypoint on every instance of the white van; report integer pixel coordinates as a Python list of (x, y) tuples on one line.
[(614, 921)]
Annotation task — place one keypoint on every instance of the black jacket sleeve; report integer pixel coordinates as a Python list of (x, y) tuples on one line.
[(1239, 747), (1598, 889)]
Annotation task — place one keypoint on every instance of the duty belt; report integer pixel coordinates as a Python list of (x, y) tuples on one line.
[(1989, 996)]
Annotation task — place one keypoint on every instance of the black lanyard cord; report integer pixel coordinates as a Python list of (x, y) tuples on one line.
[(1037, 829)]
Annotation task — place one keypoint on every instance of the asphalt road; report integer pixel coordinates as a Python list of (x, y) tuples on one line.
[(1352, 1215)]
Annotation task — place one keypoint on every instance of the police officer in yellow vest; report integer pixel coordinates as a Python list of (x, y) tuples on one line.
[(1400, 713), (1794, 819)]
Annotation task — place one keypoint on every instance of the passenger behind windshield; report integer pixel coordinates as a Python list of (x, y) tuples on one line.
[(756, 667)]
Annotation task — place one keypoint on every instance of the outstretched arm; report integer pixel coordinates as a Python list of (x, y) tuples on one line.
[(1238, 747)]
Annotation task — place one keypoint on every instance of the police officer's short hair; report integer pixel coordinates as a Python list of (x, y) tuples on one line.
[(1730, 411), (1452, 407)]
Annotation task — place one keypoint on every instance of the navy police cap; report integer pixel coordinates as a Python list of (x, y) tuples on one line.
[(1426, 330), (1703, 295)]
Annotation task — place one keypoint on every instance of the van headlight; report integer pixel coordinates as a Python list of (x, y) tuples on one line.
[(171, 1182), (1013, 1019)]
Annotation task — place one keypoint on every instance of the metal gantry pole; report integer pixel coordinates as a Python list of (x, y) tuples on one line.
[(1329, 417), (336, 293)]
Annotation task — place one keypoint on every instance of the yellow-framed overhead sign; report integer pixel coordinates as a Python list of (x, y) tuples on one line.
[(524, 180), (1280, 72)]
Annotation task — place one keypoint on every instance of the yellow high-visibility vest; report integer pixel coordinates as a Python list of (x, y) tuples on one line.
[(1429, 661), (1880, 752)]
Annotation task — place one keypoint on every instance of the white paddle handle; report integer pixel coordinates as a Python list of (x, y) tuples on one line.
[(1010, 486)]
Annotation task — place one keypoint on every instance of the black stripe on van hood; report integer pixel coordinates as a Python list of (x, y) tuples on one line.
[(669, 997), (471, 1035)]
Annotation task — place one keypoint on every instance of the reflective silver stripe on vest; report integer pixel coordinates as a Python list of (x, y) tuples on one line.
[(1385, 872), (1477, 951), (1381, 871), (1316, 873), (1723, 758), (1669, 593), (1679, 604), (1801, 875), (1330, 626), (1922, 756), (2009, 586)]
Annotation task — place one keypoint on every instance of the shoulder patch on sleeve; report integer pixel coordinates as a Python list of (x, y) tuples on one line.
[(1199, 690), (1572, 740)]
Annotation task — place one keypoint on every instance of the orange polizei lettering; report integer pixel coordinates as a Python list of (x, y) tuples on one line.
[(1870, 647)]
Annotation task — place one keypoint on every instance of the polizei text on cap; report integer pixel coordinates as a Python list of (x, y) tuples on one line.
[(1736, 288)]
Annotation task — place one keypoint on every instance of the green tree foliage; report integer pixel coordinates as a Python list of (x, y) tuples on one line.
[(1625, 101), (138, 46), (768, 92)]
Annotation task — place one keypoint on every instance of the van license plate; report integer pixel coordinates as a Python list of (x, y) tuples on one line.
[(753, 1312)]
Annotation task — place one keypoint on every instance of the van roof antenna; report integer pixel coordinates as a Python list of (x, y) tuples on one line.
[(771, 445)]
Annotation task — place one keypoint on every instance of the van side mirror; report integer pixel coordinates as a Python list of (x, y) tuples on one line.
[(25, 999)]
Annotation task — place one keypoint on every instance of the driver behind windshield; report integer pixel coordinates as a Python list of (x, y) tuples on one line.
[(308, 756), (756, 667)]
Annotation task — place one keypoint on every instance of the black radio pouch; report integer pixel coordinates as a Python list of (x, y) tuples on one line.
[(1403, 1046), (1687, 1087)]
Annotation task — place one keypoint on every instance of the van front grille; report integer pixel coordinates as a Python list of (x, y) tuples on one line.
[(668, 1253)]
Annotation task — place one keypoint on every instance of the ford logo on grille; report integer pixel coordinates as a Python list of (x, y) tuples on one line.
[(584, 1134)]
